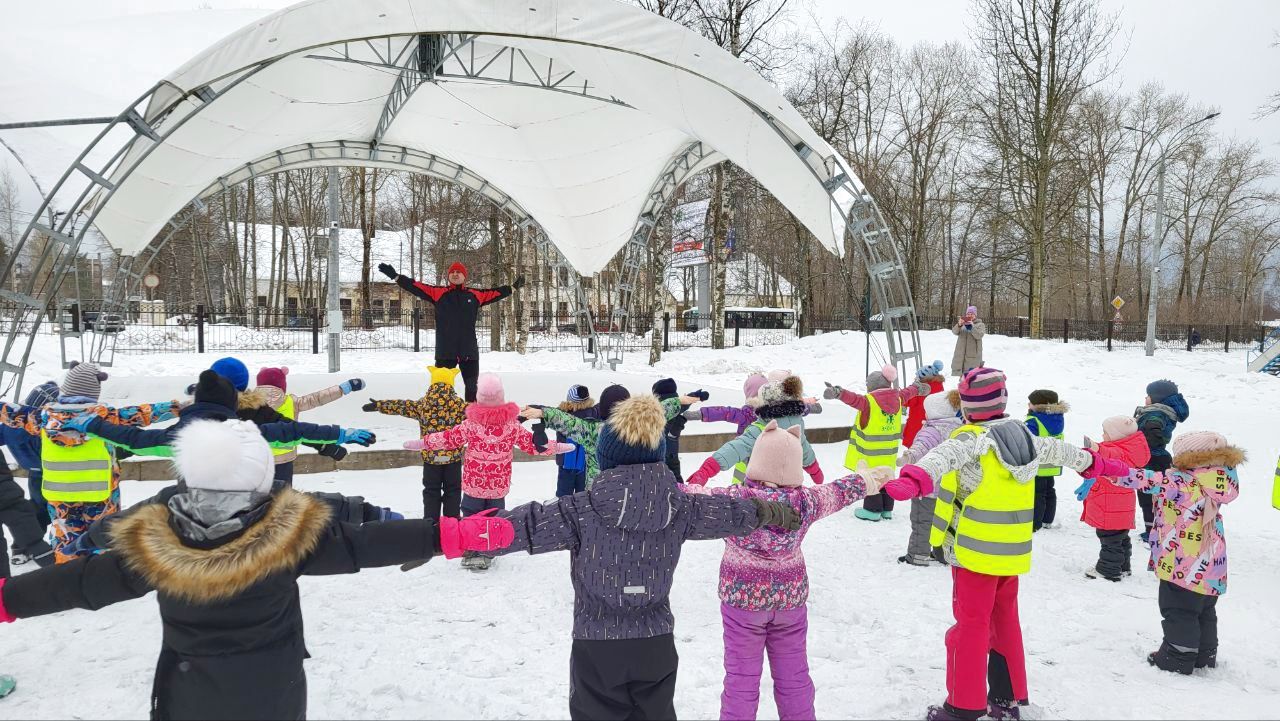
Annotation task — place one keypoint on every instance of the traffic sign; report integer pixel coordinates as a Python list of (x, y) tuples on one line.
[(151, 280), (1117, 302)]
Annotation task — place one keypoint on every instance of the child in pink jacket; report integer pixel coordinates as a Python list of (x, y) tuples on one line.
[(764, 584), (1189, 545), (490, 434)]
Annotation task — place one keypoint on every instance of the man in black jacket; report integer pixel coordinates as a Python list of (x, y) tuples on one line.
[(457, 307), (224, 556)]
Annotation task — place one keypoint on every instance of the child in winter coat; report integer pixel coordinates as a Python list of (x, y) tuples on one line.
[(224, 556), (490, 435), (1046, 419), (665, 389), (80, 475), (764, 584), (1189, 545), (624, 535), (743, 416), (783, 401), (1109, 508), (877, 431), (584, 430), (930, 375), (982, 529), (571, 476), (942, 413), (1165, 408), (439, 409), (272, 392)]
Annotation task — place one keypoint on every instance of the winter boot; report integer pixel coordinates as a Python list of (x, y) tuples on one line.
[(947, 712), (7, 685), (916, 560), (469, 559), (1207, 658), (1004, 710), (1095, 573), (481, 563), (1170, 659), (886, 515), (866, 515)]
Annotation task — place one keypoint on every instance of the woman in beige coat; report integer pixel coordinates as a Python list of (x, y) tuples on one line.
[(968, 331)]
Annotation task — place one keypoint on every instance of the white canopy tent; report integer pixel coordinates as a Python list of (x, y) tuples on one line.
[(578, 117)]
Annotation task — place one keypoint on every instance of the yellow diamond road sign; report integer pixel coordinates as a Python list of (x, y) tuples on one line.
[(1117, 302)]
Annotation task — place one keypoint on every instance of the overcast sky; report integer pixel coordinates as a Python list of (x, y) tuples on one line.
[(1218, 53)]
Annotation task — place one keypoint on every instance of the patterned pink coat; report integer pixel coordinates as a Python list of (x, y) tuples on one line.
[(765, 570), (1188, 541), (490, 434)]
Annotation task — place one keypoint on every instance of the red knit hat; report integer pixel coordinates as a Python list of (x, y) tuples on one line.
[(274, 377), (458, 268)]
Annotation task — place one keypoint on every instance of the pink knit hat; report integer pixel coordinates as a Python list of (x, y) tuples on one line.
[(1197, 442), (489, 390), (776, 457), (983, 395), (1117, 427), (751, 387), (778, 375)]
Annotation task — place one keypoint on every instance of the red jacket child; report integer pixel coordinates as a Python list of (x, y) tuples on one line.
[(1109, 507), (932, 375), (490, 434)]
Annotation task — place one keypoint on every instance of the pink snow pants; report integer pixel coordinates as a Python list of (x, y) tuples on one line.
[(747, 635), (986, 611)]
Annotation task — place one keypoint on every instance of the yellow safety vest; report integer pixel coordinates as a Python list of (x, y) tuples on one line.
[(740, 468), (877, 444), (286, 410), (1044, 433), (75, 474), (993, 529), (1275, 489)]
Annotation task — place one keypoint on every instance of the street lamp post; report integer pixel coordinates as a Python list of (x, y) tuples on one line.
[(1154, 291)]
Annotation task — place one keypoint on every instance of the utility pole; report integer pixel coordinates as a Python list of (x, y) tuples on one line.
[(332, 303)]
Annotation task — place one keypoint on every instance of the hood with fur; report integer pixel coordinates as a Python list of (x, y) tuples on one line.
[(575, 406), (1228, 457), (252, 400), (272, 397), (493, 415), (1058, 408), (288, 532), (770, 411)]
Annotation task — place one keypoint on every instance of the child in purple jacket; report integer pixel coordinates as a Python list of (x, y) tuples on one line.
[(764, 584), (744, 416), (624, 536)]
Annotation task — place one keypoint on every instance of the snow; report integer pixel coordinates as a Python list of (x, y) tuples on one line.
[(443, 643)]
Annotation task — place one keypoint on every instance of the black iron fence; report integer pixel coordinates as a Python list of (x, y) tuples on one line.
[(208, 330)]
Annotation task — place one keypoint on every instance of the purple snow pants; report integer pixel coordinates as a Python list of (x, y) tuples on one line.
[(747, 635)]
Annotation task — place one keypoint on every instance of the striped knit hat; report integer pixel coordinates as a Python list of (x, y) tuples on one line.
[(983, 395), (83, 380), (577, 393)]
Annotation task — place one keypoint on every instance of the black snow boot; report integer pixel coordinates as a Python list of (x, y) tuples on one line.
[(947, 712), (1170, 659), (1207, 658)]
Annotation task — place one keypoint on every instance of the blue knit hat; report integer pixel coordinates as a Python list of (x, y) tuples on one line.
[(233, 370), (633, 434), (1161, 389)]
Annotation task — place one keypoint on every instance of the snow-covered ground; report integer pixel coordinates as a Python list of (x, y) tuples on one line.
[(443, 643)]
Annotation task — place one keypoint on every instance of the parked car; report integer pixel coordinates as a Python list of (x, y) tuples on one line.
[(103, 322)]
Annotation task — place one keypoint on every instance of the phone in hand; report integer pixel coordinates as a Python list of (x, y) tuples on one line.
[(1088, 443)]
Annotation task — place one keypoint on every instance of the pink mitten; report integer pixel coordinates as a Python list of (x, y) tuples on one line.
[(481, 532), (814, 472), (416, 445), (709, 468), (912, 482), (564, 448), (4, 612), (1104, 467)]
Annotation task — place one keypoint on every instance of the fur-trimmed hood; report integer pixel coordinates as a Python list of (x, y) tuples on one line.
[(575, 406), (286, 535), (781, 409), (1228, 457), (493, 415), (1059, 408), (252, 399)]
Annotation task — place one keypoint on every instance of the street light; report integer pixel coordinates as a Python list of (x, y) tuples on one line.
[(1160, 223)]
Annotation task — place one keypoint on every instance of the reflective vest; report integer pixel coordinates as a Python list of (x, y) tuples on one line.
[(1275, 489), (992, 526), (1044, 433), (878, 442), (75, 474), (740, 468), (286, 410)]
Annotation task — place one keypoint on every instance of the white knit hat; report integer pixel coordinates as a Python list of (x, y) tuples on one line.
[(938, 406), (223, 456)]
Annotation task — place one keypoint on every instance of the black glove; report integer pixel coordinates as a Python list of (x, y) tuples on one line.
[(388, 270), (519, 282), (772, 513), (370, 407), (540, 436), (701, 395), (334, 452), (191, 389), (535, 405)]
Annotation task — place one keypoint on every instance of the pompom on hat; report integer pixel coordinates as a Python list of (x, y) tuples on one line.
[(881, 379), (223, 456)]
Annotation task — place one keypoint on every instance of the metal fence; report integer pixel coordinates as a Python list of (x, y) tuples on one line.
[(204, 330)]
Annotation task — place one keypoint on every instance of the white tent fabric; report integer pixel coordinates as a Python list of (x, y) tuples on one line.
[(581, 165)]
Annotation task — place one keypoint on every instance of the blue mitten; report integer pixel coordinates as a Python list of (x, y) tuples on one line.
[(386, 514), (355, 384), (1083, 490), (357, 436), (79, 423)]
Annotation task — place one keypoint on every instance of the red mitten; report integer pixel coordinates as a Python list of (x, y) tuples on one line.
[(482, 532), (4, 612), (912, 482), (814, 472), (1104, 467), (705, 472)]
